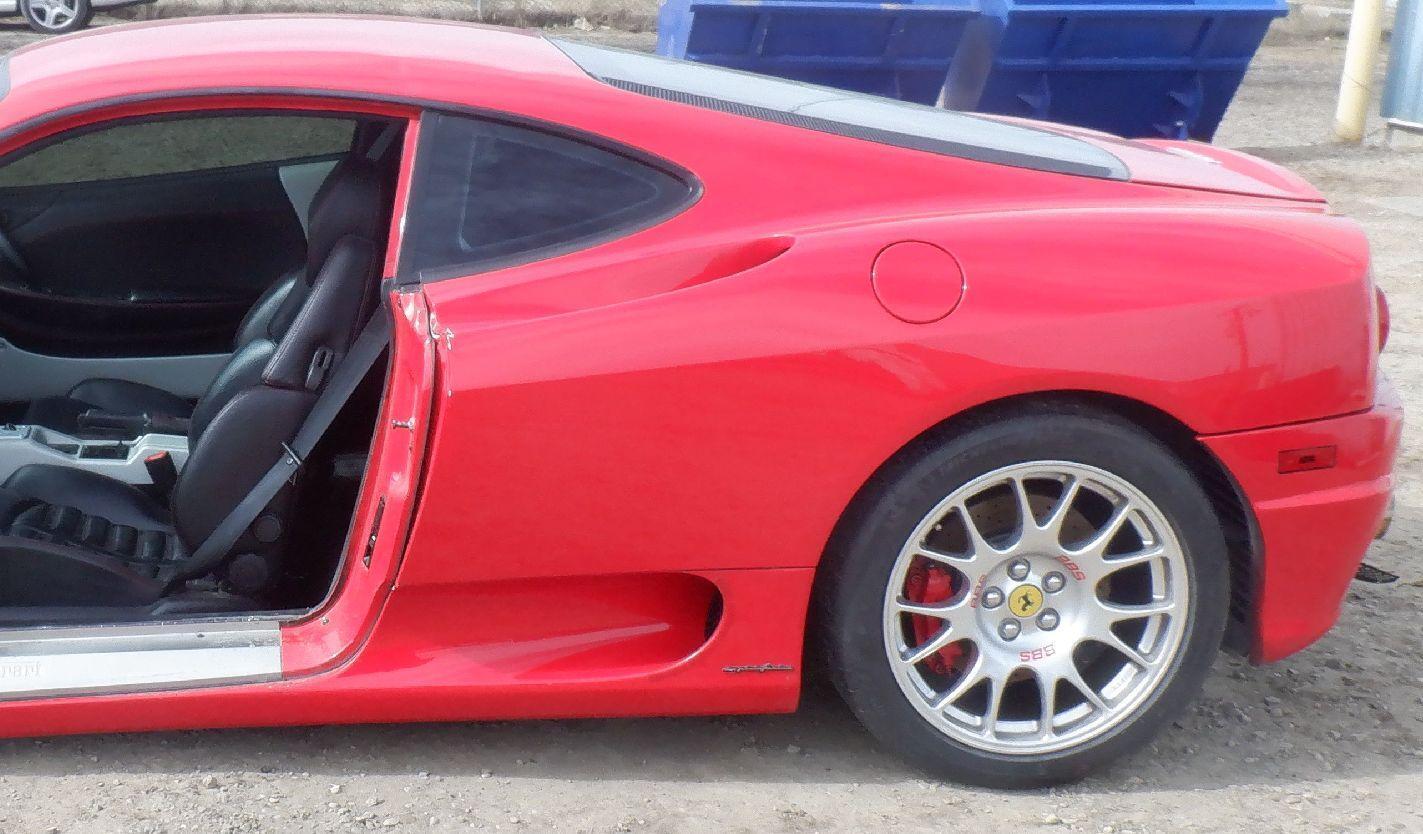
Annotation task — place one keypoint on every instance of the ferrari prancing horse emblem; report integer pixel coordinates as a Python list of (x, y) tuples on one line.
[(1025, 600)]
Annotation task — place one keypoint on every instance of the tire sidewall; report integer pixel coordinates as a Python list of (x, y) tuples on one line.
[(862, 563)]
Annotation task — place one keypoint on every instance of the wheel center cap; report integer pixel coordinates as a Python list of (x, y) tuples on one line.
[(1025, 600)]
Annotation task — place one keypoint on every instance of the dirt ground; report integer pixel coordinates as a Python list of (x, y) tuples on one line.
[(1331, 739)]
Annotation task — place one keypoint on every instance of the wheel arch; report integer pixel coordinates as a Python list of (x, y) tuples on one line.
[(1228, 501)]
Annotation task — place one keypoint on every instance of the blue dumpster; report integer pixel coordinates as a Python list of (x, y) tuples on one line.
[(1162, 68), (900, 50), (1402, 105)]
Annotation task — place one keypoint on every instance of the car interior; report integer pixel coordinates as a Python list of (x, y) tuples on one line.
[(176, 293)]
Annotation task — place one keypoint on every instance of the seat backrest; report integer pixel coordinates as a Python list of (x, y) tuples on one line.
[(328, 220), (259, 316), (264, 392)]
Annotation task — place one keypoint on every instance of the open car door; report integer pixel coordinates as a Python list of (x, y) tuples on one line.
[(260, 652), (386, 507)]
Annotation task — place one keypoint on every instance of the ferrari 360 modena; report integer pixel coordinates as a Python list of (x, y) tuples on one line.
[(363, 370)]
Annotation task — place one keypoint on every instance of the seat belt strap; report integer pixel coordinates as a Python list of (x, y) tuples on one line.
[(343, 383), (382, 142)]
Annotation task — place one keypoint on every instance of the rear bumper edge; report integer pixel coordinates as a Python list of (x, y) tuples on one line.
[(1315, 526)]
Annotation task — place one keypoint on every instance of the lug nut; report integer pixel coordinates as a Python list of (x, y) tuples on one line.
[(1054, 582), (1018, 570), (992, 598), (1009, 629), (1048, 620)]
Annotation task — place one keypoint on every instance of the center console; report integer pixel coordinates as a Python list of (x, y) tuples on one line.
[(122, 460)]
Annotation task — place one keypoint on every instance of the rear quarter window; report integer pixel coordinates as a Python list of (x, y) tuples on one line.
[(490, 194)]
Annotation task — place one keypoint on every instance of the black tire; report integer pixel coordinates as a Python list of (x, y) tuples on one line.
[(83, 14), (861, 555)]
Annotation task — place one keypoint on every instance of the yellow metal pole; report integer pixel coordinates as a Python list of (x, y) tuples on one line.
[(1360, 56)]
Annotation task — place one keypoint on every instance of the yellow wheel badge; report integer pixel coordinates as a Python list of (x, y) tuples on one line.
[(1025, 601)]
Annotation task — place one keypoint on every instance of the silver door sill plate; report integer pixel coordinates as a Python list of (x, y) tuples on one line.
[(107, 659)]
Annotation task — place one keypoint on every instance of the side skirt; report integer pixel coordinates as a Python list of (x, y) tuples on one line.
[(132, 658)]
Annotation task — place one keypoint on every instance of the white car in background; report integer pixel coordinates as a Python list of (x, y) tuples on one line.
[(55, 17)]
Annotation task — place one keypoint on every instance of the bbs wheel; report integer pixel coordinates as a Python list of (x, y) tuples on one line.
[(1028, 600), (56, 17)]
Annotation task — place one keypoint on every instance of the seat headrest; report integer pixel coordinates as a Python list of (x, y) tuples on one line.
[(349, 202)]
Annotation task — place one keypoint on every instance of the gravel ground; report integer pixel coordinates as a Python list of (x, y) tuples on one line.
[(1331, 739)]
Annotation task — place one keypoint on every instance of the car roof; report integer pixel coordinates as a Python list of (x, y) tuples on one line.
[(494, 69), (386, 57)]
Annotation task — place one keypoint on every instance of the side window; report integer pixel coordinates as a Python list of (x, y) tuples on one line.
[(172, 146), (489, 194)]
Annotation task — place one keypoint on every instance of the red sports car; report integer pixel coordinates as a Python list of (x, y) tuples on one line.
[(371, 370)]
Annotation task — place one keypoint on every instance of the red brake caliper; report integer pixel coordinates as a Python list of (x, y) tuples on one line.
[(929, 584)]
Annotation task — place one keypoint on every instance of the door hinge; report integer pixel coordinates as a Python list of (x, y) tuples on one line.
[(375, 532)]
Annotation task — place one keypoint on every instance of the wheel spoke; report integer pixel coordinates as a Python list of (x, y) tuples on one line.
[(1025, 506), (1101, 568), (1074, 677), (1128, 560), (1047, 692), (1117, 612), (980, 546), (1048, 534), (1058, 516), (1130, 652), (1096, 547), (968, 679), (919, 654), (937, 610), (953, 560), (995, 704)]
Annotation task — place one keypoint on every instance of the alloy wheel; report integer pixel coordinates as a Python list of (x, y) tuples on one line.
[(1036, 608), (54, 14)]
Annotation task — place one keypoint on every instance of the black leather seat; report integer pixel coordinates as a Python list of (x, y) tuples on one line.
[(118, 396), (70, 537)]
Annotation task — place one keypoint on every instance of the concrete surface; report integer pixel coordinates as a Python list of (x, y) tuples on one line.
[(1330, 740)]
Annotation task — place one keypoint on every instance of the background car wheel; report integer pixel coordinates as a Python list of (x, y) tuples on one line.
[(55, 17), (1028, 600)]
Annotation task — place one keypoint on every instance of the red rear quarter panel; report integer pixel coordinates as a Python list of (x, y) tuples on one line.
[(727, 424), (639, 409)]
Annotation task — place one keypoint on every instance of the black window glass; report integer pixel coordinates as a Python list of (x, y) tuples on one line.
[(172, 146), (489, 194)]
